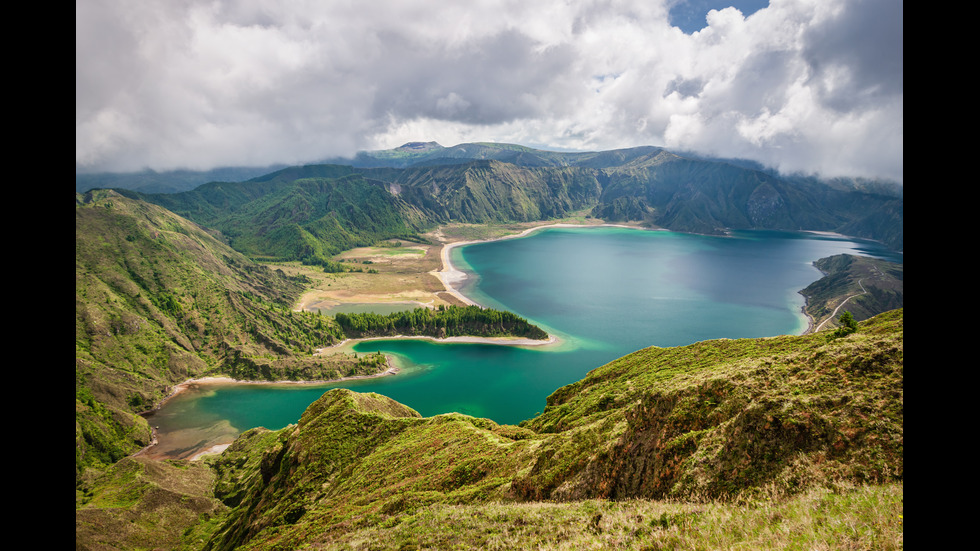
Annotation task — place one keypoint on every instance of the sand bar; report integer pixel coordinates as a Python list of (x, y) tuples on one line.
[(511, 341), (180, 387)]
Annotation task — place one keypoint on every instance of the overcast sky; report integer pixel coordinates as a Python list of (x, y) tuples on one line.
[(801, 85)]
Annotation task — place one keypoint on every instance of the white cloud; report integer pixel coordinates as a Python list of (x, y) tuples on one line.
[(801, 85)]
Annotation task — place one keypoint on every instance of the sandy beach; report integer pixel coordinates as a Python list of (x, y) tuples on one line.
[(212, 450), (450, 276), (511, 341)]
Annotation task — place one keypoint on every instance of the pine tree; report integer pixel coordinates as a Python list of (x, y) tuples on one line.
[(848, 325)]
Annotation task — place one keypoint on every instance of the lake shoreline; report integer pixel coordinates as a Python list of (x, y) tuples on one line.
[(502, 341), (183, 386), (447, 275), (450, 275)]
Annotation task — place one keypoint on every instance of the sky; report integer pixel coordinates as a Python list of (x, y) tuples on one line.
[(802, 86)]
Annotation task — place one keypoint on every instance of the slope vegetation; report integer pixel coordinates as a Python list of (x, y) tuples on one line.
[(454, 321), (861, 285), (311, 212), (159, 300), (732, 421), (495, 191), (305, 213)]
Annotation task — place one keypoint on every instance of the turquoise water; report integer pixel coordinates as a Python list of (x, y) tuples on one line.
[(605, 292)]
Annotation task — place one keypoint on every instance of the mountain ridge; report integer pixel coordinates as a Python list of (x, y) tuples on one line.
[(649, 185), (430, 152), (674, 430)]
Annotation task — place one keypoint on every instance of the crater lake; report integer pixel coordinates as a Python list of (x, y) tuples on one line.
[(603, 291)]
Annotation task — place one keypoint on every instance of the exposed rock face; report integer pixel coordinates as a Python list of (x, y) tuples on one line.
[(766, 207)]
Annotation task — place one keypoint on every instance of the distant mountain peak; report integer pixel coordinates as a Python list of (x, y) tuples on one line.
[(419, 146)]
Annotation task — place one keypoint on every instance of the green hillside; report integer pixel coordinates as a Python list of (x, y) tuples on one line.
[(868, 285), (307, 213), (159, 300), (493, 191), (693, 195), (311, 212), (762, 443)]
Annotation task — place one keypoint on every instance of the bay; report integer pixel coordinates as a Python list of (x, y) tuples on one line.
[(604, 292)]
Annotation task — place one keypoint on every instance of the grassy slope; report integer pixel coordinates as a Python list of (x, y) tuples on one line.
[(140, 503), (843, 517), (159, 300), (787, 442), (713, 419), (776, 422), (494, 191), (301, 213)]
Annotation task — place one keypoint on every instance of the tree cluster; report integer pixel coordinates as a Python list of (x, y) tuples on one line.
[(448, 322)]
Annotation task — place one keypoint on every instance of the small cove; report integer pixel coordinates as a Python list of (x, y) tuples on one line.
[(605, 292)]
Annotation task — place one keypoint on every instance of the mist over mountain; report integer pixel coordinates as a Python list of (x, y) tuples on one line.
[(172, 181)]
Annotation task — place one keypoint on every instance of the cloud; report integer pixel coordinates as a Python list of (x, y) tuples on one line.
[(800, 85)]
